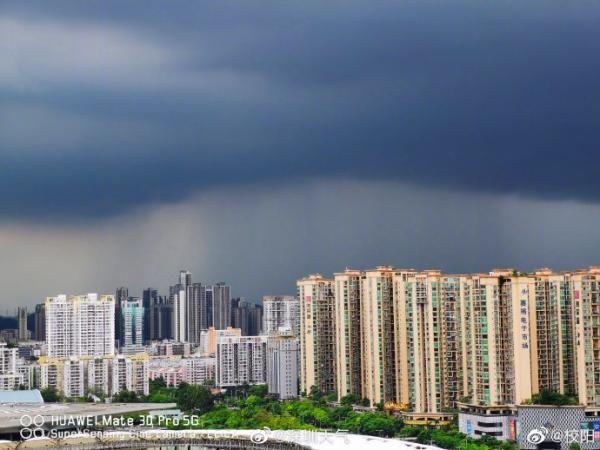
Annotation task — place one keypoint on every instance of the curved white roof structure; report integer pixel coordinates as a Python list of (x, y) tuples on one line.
[(256, 439)]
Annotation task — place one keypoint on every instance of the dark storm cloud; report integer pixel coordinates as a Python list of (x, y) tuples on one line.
[(109, 106)]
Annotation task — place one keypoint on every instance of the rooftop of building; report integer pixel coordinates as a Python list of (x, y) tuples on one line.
[(26, 396)]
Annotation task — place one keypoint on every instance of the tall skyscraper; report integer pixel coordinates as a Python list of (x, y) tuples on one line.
[(377, 321), (246, 316), (190, 315), (40, 322), (255, 314), (22, 324), (585, 294), (149, 300), (158, 316), (317, 334), (180, 295), (209, 307), (121, 296), (197, 316), (132, 321), (80, 325), (281, 311), (221, 306), (348, 332)]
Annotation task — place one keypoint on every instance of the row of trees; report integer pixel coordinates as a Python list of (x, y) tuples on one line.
[(251, 407)]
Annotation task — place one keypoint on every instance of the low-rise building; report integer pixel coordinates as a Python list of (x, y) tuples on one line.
[(497, 421), (170, 348), (175, 370), (14, 373), (109, 375)]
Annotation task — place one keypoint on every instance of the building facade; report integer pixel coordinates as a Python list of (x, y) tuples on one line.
[(100, 376), (317, 334), (282, 364), (80, 325), (221, 306), (281, 311), (12, 373), (39, 322), (132, 323), (241, 360), (22, 323), (424, 341)]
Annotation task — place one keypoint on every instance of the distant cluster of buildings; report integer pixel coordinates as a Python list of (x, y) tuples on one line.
[(100, 345), (426, 343)]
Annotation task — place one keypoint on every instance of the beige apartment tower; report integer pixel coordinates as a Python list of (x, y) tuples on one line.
[(427, 341), (348, 332), (317, 334)]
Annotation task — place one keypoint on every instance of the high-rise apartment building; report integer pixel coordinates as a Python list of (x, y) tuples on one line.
[(377, 324), (221, 303), (585, 294), (121, 296), (348, 332), (427, 333), (22, 324), (80, 325), (150, 298), (158, 316), (317, 334), (180, 295), (190, 312), (132, 323), (39, 321), (241, 360), (427, 340), (281, 311), (282, 364), (209, 307)]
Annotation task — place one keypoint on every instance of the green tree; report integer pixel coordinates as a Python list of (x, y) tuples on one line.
[(194, 398), (547, 397), (51, 395), (125, 396), (350, 400), (157, 384), (259, 390), (315, 394)]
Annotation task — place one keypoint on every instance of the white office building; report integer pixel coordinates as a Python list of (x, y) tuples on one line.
[(80, 325)]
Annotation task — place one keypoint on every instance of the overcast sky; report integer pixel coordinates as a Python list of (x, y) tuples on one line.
[(255, 142)]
